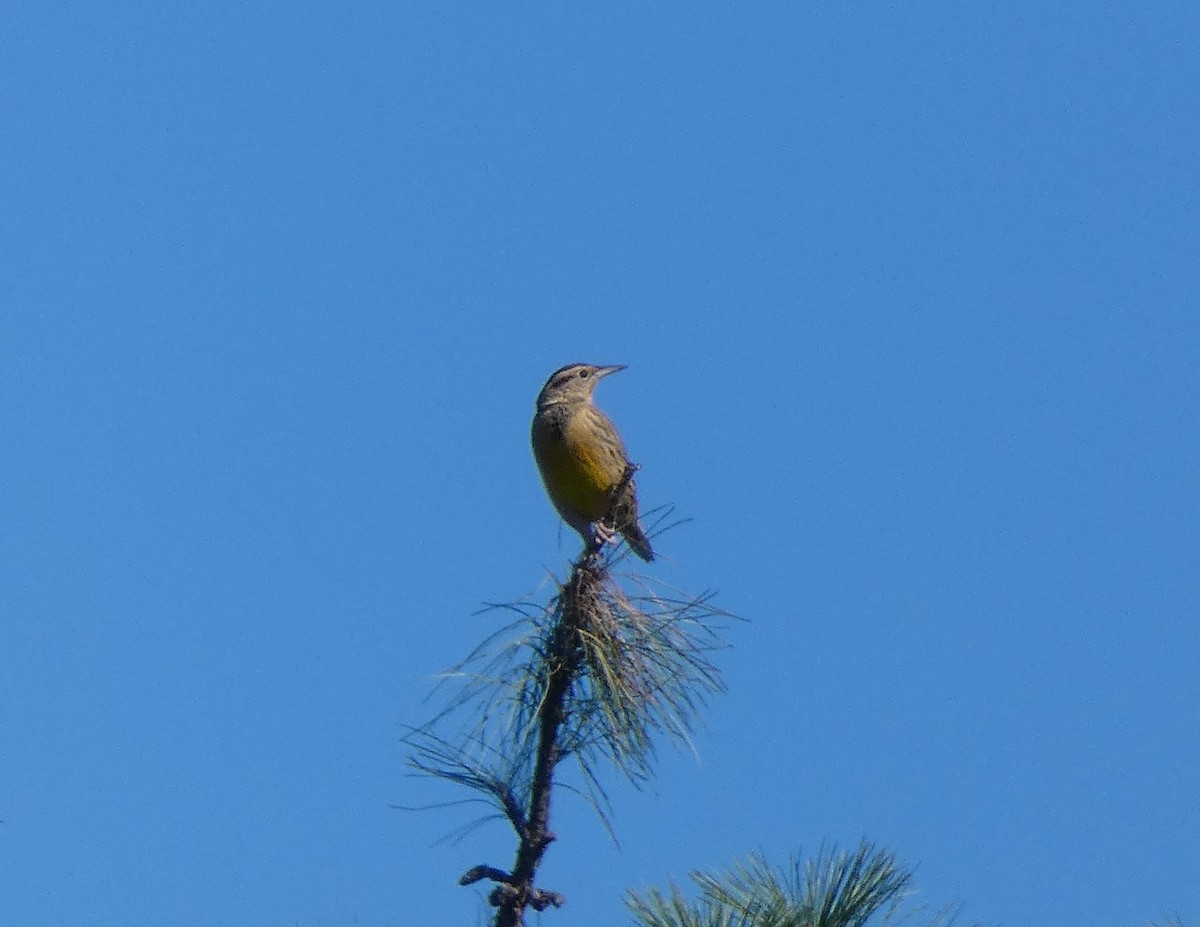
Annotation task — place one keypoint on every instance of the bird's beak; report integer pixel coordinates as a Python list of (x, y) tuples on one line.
[(605, 371)]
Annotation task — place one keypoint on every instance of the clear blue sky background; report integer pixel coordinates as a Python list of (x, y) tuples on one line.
[(909, 295)]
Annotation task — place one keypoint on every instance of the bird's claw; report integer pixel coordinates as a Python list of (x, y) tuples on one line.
[(602, 534)]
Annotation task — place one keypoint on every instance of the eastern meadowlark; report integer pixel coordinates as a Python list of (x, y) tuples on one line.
[(582, 459)]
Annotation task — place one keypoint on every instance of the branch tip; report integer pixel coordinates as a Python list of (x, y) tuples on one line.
[(475, 873)]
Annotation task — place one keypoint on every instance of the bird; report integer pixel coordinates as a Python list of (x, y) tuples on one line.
[(582, 459)]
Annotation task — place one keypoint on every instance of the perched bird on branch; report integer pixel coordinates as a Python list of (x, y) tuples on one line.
[(582, 459)]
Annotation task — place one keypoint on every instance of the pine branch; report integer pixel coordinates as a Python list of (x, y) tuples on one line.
[(836, 889), (565, 655), (598, 674)]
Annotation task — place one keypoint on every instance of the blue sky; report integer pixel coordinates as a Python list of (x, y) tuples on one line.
[(909, 299)]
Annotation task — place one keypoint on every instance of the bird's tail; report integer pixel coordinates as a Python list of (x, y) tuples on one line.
[(625, 519), (637, 541)]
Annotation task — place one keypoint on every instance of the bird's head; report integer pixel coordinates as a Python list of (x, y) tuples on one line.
[(573, 383)]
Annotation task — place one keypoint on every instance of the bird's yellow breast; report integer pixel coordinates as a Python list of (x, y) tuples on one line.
[(581, 460)]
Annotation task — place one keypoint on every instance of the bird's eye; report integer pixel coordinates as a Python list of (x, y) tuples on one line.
[(583, 374)]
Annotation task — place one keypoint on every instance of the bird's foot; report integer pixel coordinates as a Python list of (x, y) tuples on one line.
[(602, 534)]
